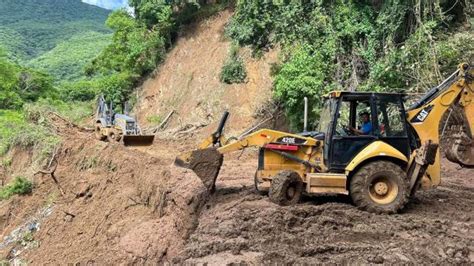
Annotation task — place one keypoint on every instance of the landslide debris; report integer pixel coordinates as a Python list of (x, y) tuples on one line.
[(119, 205)]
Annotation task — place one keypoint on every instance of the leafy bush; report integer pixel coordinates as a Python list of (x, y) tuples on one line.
[(303, 75), (134, 49), (81, 90), (19, 186), (233, 70)]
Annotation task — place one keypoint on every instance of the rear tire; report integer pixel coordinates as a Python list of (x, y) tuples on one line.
[(380, 187), (97, 132), (286, 188)]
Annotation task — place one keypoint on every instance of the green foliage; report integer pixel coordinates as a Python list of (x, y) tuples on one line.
[(366, 45), (28, 129), (19, 186), (66, 61), (233, 70), (303, 75), (29, 28), (135, 48), (19, 84), (117, 87), (154, 119), (81, 90)]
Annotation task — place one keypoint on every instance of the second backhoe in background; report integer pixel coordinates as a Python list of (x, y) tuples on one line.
[(380, 168), (115, 127)]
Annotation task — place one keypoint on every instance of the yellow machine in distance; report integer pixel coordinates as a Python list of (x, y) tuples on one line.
[(379, 160)]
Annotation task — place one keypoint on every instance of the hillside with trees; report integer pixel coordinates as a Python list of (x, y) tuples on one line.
[(31, 28), (69, 197)]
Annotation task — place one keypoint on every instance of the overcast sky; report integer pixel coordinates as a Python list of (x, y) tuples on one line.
[(108, 4)]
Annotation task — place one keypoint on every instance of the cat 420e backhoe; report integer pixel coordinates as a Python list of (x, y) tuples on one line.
[(379, 169)]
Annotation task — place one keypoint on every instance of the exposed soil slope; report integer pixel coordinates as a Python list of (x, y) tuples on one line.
[(188, 81), (110, 204)]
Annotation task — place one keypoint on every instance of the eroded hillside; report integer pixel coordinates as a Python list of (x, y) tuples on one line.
[(103, 203)]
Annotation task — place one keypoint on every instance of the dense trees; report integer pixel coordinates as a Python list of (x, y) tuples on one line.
[(19, 84), (365, 45)]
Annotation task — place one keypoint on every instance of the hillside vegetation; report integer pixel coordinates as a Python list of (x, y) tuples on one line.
[(67, 60), (29, 28), (356, 45), (325, 45)]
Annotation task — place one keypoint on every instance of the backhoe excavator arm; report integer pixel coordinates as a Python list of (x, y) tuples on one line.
[(207, 160), (426, 115)]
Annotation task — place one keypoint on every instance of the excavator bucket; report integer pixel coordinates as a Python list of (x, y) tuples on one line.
[(206, 163), (138, 140), (462, 151)]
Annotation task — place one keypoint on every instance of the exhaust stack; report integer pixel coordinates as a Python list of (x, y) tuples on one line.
[(305, 129)]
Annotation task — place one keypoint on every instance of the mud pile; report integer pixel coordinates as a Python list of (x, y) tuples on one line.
[(110, 204)]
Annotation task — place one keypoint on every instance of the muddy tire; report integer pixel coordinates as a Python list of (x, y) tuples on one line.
[(380, 187), (286, 188), (97, 132), (259, 190), (114, 136)]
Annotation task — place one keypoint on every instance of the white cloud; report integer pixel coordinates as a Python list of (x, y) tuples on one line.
[(108, 4)]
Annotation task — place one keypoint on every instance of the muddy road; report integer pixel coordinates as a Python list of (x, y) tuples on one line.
[(131, 205), (238, 225)]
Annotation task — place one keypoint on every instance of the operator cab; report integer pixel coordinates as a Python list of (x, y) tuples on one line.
[(353, 120)]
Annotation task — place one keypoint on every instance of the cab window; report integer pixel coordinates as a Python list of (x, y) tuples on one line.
[(391, 122)]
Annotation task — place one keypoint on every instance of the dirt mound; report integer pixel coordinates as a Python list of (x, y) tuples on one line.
[(110, 204), (188, 82)]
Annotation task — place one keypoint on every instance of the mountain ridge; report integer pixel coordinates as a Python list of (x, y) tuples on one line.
[(32, 28)]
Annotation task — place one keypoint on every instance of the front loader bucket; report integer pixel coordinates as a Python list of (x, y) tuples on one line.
[(462, 151), (138, 140), (206, 163)]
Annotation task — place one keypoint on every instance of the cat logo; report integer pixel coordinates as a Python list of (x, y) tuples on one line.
[(422, 115)]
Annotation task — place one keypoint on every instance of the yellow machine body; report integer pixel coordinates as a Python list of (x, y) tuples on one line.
[(306, 154)]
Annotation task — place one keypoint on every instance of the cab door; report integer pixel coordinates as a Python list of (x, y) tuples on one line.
[(345, 145), (391, 122)]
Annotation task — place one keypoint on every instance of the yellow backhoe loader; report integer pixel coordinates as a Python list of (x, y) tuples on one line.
[(367, 146)]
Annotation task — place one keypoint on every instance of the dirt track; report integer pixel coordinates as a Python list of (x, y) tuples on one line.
[(239, 225)]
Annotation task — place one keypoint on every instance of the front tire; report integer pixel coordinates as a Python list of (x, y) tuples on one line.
[(98, 132), (114, 136), (286, 188), (380, 187)]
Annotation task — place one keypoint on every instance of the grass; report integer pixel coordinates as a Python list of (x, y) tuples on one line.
[(154, 119), (26, 129), (19, 186)]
